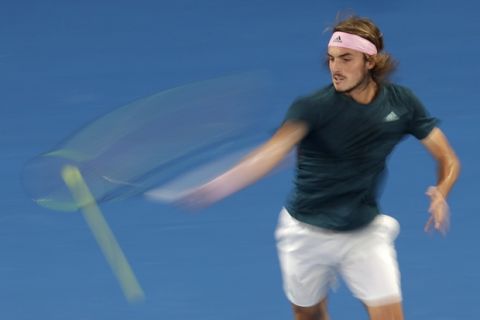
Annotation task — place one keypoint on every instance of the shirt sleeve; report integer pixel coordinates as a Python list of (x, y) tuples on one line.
[(300, 111), (421, 123)]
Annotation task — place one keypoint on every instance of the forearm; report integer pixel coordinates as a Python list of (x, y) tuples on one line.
[(448, 164), (247, 172), (258, 163), (447, 173)]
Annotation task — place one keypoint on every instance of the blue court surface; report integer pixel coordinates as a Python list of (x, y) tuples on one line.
[(65, 63)]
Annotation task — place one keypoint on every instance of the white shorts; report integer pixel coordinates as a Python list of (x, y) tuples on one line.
[(310, 257)]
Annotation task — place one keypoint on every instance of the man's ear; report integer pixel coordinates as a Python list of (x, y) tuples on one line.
[(370, 62)]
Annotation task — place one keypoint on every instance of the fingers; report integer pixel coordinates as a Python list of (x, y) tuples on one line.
[(194, 200), (200, 197), (428, 225), (439, 210)]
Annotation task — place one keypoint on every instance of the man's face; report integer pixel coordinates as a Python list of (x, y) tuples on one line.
[(349, 69)]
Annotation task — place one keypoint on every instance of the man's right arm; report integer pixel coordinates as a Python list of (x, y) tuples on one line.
[(252, 168)]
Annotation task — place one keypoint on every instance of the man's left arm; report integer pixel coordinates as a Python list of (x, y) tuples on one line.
[(448, 169)]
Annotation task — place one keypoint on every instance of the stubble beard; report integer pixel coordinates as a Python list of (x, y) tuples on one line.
[(361, 84)]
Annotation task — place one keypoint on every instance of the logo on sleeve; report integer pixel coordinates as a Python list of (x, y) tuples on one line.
[(392, 116)]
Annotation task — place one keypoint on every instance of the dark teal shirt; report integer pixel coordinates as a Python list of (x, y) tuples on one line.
[(341, 162)]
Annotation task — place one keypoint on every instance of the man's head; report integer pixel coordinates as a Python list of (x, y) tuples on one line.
[(356, 56)]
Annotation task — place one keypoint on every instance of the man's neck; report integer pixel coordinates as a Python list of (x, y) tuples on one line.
[(364, 93)]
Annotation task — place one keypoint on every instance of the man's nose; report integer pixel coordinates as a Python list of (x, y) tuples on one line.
[(334, 66)]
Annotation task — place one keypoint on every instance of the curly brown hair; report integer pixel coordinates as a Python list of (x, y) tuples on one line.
[(385, 64)]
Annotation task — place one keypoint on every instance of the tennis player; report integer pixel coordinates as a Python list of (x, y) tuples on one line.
[(331, 224)]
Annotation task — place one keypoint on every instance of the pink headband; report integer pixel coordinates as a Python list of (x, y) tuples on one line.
[(352, 41)]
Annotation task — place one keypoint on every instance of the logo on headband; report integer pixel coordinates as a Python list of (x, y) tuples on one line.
[(337, 39)]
